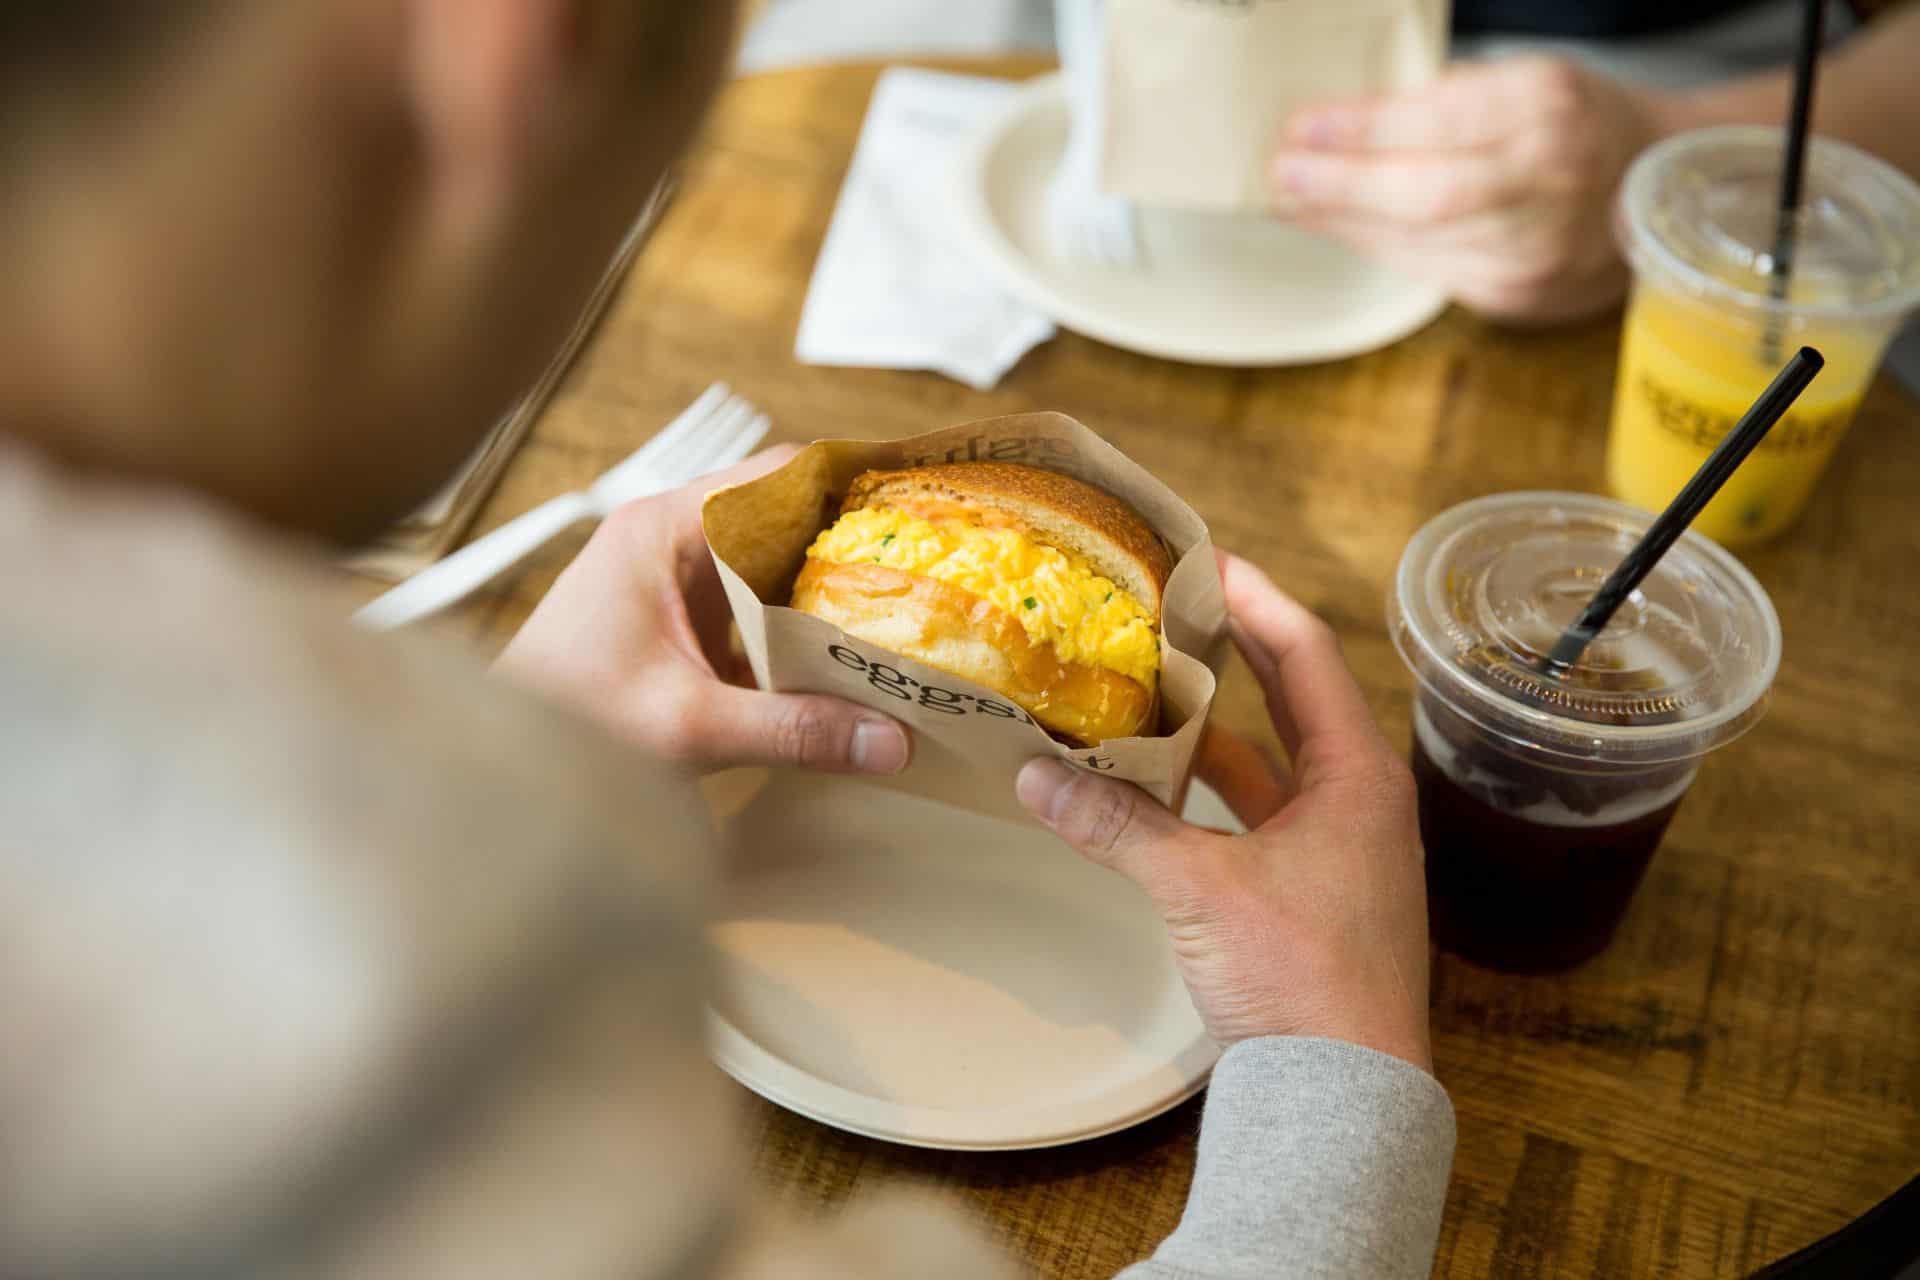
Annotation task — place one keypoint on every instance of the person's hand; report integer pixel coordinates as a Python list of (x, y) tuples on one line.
[(636, 634), (1315, 922), (1494, 182)]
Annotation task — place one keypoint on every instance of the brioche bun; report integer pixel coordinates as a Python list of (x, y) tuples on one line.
[(1033, 584)]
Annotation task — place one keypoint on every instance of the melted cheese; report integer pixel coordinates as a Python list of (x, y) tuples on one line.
[(1057, 598)]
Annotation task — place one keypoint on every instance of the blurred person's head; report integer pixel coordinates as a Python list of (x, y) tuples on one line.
[(301, 255)]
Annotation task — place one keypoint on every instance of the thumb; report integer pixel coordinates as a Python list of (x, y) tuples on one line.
[(731, 726), (1115, 824)]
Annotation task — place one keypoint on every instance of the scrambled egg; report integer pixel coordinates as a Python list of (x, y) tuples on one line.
[(1057, 598)]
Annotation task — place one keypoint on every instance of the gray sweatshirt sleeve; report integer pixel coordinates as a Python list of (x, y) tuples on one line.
[(1317, 1159)]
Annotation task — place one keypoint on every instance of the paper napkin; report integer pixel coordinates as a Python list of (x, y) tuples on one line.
[(894, 287)]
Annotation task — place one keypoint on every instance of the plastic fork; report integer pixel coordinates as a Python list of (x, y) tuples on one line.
[(715, 431), (1085, 223)]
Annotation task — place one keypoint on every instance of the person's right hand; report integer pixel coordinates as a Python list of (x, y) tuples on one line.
[(1314, 923), (1495, 182)]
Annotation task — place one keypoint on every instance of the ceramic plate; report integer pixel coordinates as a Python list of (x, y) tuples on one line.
[(1216, 288), (907, 971)]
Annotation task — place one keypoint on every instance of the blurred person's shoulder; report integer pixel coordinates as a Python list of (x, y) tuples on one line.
[(291, 884), (147, 633)]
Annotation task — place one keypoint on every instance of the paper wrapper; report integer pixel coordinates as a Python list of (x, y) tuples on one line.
[(1199, 91), (968, 741)]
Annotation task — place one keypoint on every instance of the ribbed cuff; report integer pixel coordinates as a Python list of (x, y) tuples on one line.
[(1317, 1158)]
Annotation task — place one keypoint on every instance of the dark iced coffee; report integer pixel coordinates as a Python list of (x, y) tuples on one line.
[(1543, 797), (1530, 869)]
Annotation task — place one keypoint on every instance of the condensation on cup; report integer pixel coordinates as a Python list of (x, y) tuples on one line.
[(1542, 799)]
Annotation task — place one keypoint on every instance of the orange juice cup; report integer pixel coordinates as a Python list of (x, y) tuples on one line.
[(1704, 331)]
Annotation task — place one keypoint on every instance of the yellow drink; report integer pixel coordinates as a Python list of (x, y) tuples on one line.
[(1687, 374), (1711, 321)]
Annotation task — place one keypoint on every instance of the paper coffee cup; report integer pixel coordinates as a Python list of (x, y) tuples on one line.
[(1198, 94)]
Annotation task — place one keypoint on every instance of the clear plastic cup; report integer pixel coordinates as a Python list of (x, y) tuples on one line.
[(1704, 334), (1542, 801)]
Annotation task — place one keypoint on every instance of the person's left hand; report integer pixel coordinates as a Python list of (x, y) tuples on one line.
[(1494, 182), (635, 635)]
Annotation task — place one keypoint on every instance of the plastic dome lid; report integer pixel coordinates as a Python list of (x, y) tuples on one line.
[(1483, 591)]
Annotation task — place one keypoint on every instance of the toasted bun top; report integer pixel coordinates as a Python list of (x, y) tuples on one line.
[(1043, 505)]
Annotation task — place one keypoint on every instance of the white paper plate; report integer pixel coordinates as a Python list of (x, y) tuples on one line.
[(1216, 288), (907, 971)]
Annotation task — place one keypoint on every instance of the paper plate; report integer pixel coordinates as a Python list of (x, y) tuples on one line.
[(904, 970), (1216, 288)]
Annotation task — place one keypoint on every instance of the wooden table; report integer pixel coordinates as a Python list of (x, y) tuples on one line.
[(1738, 1075)]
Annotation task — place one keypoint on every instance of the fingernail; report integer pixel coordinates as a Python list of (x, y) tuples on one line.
[(1294, 172), (1042, 786), (879, 746)]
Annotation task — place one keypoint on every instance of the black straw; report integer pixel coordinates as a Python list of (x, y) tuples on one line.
[(1793, 166), (1806, 62), (1671, 523)]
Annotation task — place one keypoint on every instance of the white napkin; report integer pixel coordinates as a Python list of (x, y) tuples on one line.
[(894, 288)]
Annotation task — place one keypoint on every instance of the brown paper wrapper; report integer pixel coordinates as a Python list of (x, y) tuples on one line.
[(1198, 94), (969, 742)]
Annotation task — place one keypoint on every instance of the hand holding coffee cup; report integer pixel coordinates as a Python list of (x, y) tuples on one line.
[(1493, 182)]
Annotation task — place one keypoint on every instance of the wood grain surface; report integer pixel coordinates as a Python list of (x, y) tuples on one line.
[(1738, 1074)]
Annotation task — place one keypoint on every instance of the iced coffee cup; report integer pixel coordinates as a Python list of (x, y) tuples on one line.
[(1706, 326), (1542, 800)]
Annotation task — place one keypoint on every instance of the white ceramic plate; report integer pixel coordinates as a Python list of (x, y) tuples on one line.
[(1216, 288), (903, 970)]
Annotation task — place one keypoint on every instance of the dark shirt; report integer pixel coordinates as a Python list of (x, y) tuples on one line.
[(1585, 19), (1600, 19)]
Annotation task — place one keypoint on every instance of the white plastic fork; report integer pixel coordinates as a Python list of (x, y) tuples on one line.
[(715, 431), (1086, 224)]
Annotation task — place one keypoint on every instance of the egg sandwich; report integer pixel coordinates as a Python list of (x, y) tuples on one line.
[(1028, 582)]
